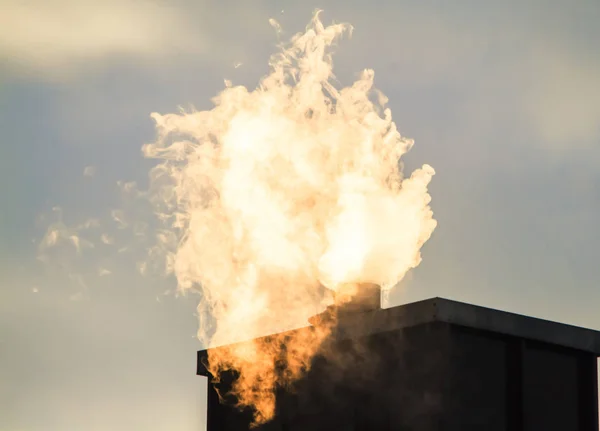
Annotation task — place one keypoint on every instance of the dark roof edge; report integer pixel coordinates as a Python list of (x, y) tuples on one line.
[(503, 322), (463, 314)]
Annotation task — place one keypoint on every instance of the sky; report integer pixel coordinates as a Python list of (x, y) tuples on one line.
[(501, 98)]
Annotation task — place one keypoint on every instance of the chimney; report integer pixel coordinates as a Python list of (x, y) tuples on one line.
[(350, 299), (435, 365), (358, 297)]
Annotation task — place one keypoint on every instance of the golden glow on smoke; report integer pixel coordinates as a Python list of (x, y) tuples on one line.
[(277, 192)]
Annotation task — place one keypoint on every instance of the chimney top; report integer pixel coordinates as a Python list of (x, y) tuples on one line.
[(358, 297), (349, 299)]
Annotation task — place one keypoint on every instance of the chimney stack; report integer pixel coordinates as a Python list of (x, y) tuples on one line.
[(349, 299), (358, 297)]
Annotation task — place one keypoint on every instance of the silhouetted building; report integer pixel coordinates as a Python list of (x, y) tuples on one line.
[(435, 365)]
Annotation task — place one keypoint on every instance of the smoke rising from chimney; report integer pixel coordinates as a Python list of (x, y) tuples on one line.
[(278, 195)]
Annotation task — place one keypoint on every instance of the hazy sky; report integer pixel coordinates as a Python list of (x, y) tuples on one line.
[(502, 99)]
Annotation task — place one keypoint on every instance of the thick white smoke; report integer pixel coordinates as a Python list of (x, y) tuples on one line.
[(279, 191)]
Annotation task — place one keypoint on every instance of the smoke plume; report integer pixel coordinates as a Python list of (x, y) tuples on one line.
[(279, 195)]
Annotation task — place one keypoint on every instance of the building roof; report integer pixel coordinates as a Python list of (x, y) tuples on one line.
[(359, 322), (471, 316)]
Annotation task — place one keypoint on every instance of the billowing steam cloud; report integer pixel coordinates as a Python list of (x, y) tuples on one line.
[(279, 192)]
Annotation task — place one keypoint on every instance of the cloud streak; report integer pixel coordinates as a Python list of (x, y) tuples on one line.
[(55, 37)]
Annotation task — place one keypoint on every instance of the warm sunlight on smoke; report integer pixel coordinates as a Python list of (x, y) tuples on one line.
[(279, 192)]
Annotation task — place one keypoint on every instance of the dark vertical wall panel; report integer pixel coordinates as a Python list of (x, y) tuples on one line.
[(475, 385), (514, 384), (550, 389), (588, 392)]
